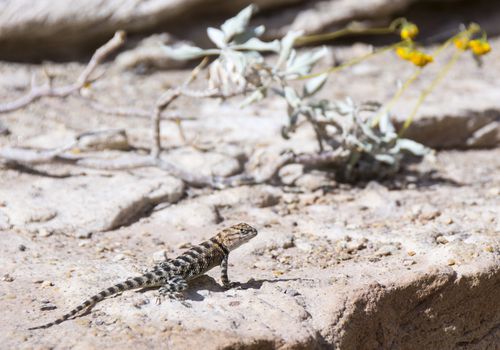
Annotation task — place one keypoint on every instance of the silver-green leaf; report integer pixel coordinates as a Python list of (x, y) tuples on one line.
[(302, 64), (255, 96), (287, 46), (385, 124), (385, 158), (291, 97), (238, 23), (313, 85), (217, 36), (255, 44), (414, 147), (186, 52)]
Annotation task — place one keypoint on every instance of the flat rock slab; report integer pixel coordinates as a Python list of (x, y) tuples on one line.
[(81, 205), (66, 27), (408, 264)]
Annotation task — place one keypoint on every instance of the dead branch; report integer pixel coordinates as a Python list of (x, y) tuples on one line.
[(163, 102), (27, 157), (30, 156), (47, 90)]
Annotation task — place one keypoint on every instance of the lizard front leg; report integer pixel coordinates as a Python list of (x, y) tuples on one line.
[(224, 278)]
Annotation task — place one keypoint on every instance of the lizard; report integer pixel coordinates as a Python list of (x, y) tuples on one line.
[(173, 275)]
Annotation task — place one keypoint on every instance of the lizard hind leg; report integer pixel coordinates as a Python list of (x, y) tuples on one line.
[(172, 289)]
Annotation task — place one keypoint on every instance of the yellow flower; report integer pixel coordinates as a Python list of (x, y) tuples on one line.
[(408, 31), (461, 42), (479, 47), (416, 57), (404, 52), (420, 59)]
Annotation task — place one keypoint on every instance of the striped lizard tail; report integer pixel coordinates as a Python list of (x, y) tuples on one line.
[(132, 283)]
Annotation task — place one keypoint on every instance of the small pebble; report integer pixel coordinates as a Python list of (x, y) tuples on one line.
[(140, 303), (441, 240), (409, 262), (411, 253), (291, 292), (44, 232), (99, 322), (385, 250), (451, 262), (160, 256), (304, 315), (118, 257), (7, 278), (185, 246), (22, 247), (489, 249), (494, 192), (447, 220), (46, 284)]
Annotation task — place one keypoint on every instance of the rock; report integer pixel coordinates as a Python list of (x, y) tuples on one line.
[(4, 221), (55, 29), (290, 173), (426, 212), (206, 163), (118, 257), (42, 215), (85, 204), (315, 17), (49, 30), (188, 213), (149, 55), (43, 232), (7, 278), (46, 284), (441, 240), (386, 250), (408, 262), (103, 139), (4, 131), (309, 282), (159, 256), (315, 180)]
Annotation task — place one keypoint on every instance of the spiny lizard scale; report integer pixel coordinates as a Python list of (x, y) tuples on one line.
[(172, 275)]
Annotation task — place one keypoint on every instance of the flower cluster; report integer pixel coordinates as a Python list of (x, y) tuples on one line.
[(479, 47), (418, 58), (407, 50)]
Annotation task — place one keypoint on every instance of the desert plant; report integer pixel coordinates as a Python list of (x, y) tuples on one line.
[(345, 129)]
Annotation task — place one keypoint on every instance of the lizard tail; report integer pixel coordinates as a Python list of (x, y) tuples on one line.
[(129, 284)]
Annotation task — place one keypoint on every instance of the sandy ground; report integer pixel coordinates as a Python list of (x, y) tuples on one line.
[(407, 263)]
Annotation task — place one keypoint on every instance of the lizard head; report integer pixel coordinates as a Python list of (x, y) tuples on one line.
[(234, 236)]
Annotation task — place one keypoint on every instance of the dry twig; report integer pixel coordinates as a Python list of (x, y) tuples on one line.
[(163, 102), (47, 90)]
